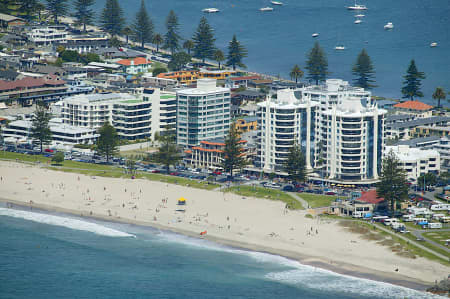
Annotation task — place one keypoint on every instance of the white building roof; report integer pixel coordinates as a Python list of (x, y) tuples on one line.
[(286, 99), (55, 126), (406, 153), (204, 86), (98, 98)]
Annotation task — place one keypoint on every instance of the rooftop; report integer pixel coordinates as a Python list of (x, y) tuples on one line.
[(413, 105), (370, 197), (406, 153), (99, 97), (417, 141), (8, 18), (30, 82), (134, 61), (420, 122)]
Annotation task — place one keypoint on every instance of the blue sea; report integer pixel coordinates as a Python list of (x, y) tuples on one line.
[(279, 39), (45, 255)]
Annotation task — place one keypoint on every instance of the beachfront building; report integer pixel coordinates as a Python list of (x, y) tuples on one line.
[(407, 129), (135, 65), (203, 113), (350, 132), (415, 108), (416, 161), (164, 111), (191, 76), (283, 121), (20, 131), (130, 115), (48, 35)]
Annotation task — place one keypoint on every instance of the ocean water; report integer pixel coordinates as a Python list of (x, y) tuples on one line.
[(60, 256), (277, 40)]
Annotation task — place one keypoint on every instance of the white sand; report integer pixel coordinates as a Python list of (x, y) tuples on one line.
[(252, 223)]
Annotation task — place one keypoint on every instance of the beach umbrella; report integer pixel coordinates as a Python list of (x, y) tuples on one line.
[(181, 201)]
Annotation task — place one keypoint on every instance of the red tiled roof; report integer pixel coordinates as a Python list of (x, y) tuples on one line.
[(28, 82), (413, 105), (137, 61), (207, 149), (370, 197), (245, 78)]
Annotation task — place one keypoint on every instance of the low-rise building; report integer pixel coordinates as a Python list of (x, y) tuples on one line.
[(190, 77), (48, 35), (406, 129), (246, 124), (9, 21), (417, 108), (415, 161), (363, 206), (242, 81), (135, 65), (427, 130)]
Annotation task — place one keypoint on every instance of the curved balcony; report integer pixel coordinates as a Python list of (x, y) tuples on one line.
[(351, 170), (284, 130), (350, 139), (351, 158), (283, 143), (285, 117), (351, 145), (285, 137), (351, 152), (284, 124)]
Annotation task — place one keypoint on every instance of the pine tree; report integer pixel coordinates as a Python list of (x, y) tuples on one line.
[(188, 45), (295, 165), (296, 73), (157, 40), (108, 141), (236, 52), (111, 19), (127, 31), (83, 15), (233, 153), (218, 56), (204, 41), (412, 83), (439, 94), (393, 185), (168, 153), (40, 129), (57, 8), (317, 64), (29, 7), (143, 26), (364, 71), (172, 38)]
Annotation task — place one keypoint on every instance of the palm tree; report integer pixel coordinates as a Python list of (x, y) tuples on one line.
[(219, 57), (439, 94), (188, 45), (157, 40), (296, 73), (127, 32)]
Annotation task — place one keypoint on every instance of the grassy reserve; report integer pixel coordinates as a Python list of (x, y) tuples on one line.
[(317, 200)]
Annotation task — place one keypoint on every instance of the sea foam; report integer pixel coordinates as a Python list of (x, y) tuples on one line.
[(71, 223)]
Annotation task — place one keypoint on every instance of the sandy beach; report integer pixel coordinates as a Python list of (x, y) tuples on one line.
[(255, 224)]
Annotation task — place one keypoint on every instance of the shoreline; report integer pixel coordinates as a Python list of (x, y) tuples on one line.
[(336, 267)]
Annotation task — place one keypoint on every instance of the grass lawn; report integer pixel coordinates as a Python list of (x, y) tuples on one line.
[(438, 236), (317, 200), (23, 157), (260, 192), (137, 152)]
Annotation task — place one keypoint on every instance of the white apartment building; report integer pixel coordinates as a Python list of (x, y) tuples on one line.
[(164, 110), (350, 132), (130, 115), (47, 35), (203, 113), (416, 161), (282, 122), (61, 133)]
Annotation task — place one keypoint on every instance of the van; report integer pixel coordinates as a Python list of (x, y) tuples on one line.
[(438, 216), (440, 207), (408, 218), (379, 218), (445, 219), (434, 225), (417, 220), (390, 221)]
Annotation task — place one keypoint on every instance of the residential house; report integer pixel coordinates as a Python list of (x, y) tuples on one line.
[(10, 21), (407, 129), (417, 108), (135, 65)]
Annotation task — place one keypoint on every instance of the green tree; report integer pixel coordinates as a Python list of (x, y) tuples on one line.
[(178, 61), (91, 57), (172, 38), (236, 52), (219, 57), (157, 40), (188, 45), (296, 73), (111, 19), (427, 179), (131, 165), (58, 158), (159, 70), (393, 185), (295, 165), (108, 141), (363, 71), (317, 64), (57, 8), (233, 153), (412, 83), (143, 26), (28, 7), (167, 153), (40, 129), (69, 56), (84, 14), (439, 94), (115, 42), (127, 31), (203, 40)]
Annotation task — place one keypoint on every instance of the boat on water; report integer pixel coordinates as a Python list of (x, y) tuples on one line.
[(357, 7), (276, 3), (360, 16), (358, 21), (339, 48), (211, 10), (389, 26), (266, 9), (315, 34), (433, 44)]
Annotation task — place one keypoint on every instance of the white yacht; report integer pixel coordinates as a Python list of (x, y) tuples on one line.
[(315, 34), (276, 3), (360, 16), (210, 10), (358, 21), (266, 9), (433, 44), (357, 7), (339, 48), (389, 26)]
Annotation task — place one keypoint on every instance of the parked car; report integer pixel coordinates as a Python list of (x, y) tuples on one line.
[(288, 188)]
